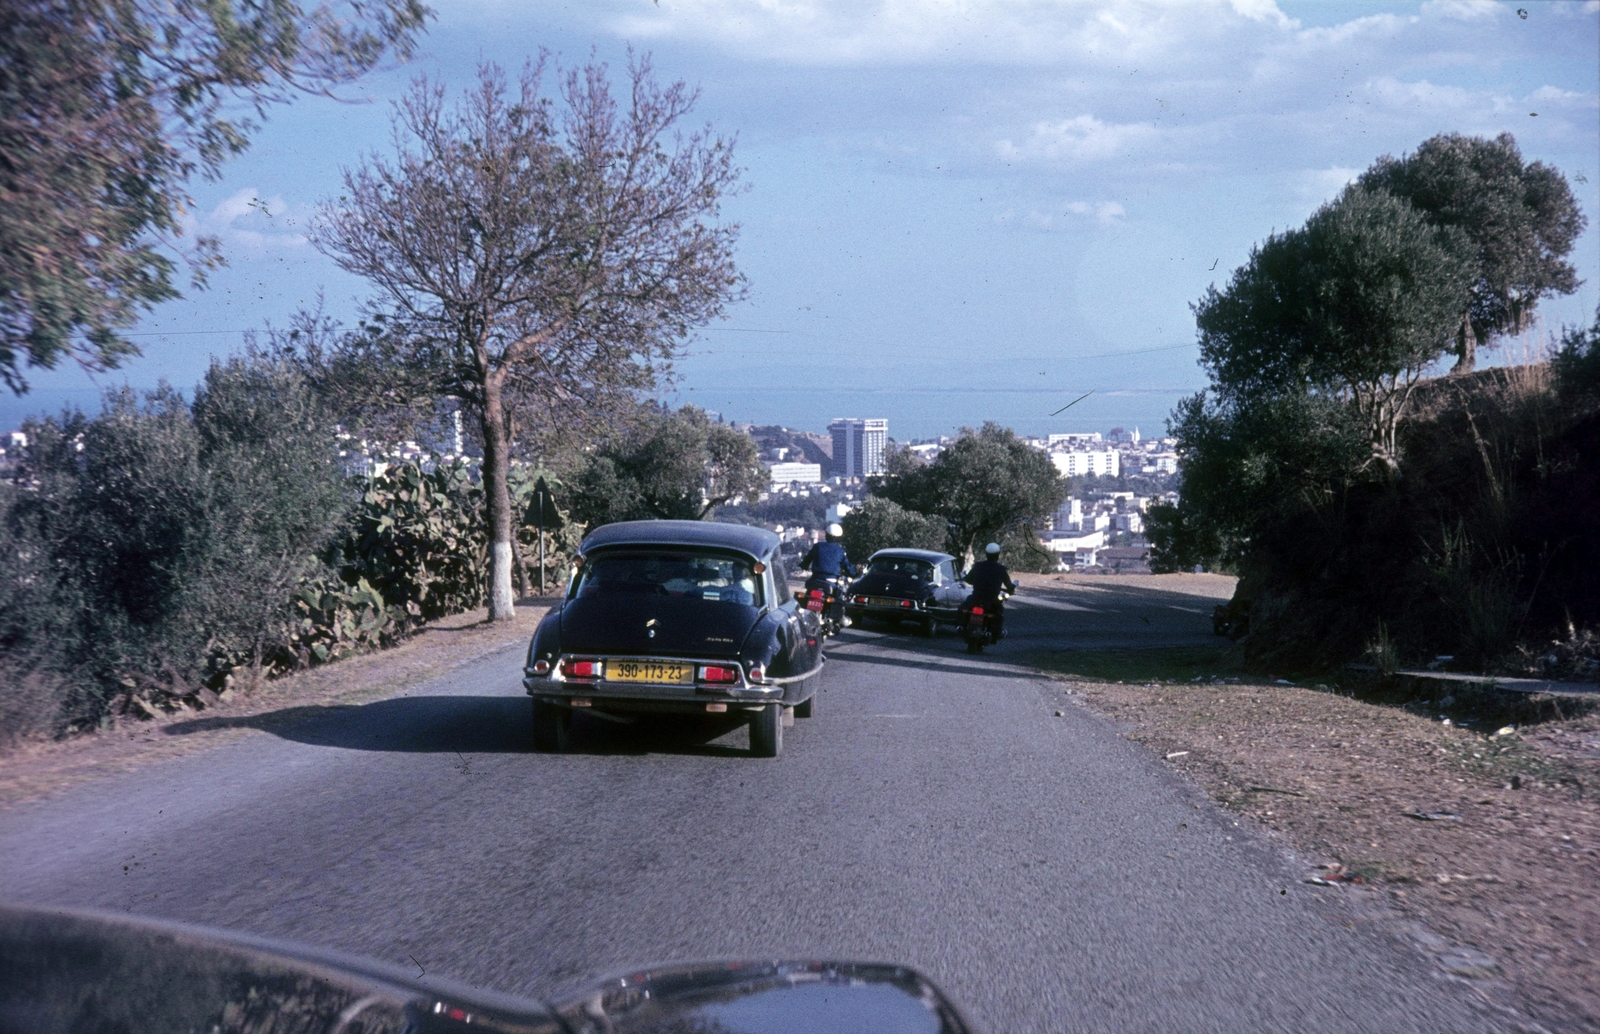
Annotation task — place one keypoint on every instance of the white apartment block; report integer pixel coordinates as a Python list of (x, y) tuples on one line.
[(785, 474), (858, 446), (1081, 462)]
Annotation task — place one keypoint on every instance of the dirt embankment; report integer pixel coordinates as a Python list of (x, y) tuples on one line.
[(35, 769), (1487, 847)]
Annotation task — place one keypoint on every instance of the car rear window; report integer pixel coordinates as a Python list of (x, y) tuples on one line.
[(903, 567), (676, 573)]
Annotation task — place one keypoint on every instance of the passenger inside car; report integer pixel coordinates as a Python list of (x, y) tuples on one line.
[(695, 576), (903, 567)]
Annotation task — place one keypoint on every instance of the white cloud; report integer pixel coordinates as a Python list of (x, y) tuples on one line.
[(1424, 97), (1078, 140), (1070, 213), (1264, 11), (1008, 31), (1555, 96), (248, 220), (1462, 10)]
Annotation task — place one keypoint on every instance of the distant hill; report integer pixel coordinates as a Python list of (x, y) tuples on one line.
[(806, 447)]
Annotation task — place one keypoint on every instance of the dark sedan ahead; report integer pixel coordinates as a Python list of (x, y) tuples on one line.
[(915, 585), (685, 617)]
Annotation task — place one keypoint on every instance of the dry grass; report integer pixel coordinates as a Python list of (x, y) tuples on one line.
[(1513, 875)]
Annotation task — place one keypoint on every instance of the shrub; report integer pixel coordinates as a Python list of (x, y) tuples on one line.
[(879, 523), (153, 549)]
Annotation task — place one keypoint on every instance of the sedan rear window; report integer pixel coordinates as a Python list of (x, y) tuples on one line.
[(687, 575), (903, 567)]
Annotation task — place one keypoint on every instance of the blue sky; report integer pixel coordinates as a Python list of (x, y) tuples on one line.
[(958, 210)]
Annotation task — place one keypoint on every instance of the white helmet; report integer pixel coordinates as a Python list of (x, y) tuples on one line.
[(835, 531), (993, 549)]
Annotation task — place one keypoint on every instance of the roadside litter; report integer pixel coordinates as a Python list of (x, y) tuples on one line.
[(1333, 875)]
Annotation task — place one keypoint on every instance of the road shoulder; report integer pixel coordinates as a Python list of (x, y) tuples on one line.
[(39, 769), (1483, 847)]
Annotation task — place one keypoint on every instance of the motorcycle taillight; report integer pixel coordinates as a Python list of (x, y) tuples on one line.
[(977, 612)]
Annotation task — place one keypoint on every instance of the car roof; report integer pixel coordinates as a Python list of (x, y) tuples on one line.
[(742, 538), (931, 556)]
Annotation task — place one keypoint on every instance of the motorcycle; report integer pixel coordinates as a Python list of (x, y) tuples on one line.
[(980, 627), (827, 604), (71, 971)]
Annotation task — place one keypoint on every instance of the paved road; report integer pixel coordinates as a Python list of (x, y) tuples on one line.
[(1049, 874)]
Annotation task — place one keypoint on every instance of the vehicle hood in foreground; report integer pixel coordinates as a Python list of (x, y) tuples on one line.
[(66, 972), (682, 627)]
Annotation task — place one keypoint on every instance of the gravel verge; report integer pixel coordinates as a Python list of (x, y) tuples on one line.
[(1485, 845)]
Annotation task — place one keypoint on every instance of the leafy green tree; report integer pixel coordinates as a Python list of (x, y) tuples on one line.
[(1522, 221), (107, 109), (880, 523), (526, 253), (674, 466), (1247, 463), (988, 482), (1354, 306)]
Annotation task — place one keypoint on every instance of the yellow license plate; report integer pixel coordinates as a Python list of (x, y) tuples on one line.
[(883, 601), (648, 671)]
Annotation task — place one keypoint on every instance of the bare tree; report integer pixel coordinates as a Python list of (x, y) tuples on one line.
[(534, 249)]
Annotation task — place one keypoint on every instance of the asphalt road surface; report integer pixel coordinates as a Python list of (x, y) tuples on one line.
[(1048, 874)]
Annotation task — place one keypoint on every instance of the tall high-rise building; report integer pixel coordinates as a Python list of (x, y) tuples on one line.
[(858, 446)]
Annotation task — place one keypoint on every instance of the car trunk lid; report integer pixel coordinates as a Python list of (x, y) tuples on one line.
[(681, 627)]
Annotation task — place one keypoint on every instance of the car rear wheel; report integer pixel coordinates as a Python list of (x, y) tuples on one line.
[(930, 628), (552, 727), (766, 731), (806, 708)]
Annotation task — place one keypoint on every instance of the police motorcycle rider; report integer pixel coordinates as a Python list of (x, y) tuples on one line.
[(827, 562), (988, 578)]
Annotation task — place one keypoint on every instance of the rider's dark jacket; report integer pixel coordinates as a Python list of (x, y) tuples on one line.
[(827, 560), (987, 578)]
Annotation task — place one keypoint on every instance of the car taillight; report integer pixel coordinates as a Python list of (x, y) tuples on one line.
[(582, 669), (907, 604), (714, 673), (757, 675), (861, 599), (541, 666)]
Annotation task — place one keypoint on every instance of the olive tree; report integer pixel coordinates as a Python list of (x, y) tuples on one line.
[(985, 484), (107, 109), (1521, 219), (879, 523), (670, 466), (536, 248), (1354, 306)]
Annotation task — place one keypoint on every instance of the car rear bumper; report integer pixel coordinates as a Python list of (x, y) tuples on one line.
[(653, 696), (895, 613)]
